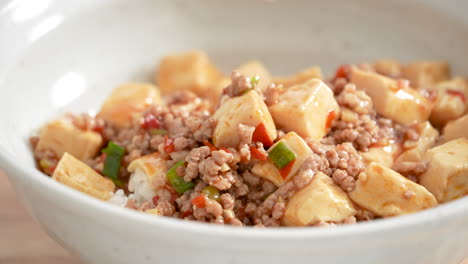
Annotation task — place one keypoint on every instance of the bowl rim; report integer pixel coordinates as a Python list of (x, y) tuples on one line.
[(439, 213)]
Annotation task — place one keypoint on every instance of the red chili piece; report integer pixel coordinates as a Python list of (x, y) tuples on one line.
[(343, 71), (257, 154), (208, 144), (168, 145), (286, 169), (331, 116), (260, 134), (460, 94), (199, 201), (150, 122), (156, 200)]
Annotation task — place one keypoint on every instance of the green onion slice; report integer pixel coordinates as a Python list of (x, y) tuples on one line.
[(254, 81), (281, 155), (155, 131), (211, 192), (114, 155), (176, 181)]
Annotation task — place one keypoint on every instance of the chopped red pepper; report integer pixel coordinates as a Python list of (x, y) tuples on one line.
[(460, 94), (331, 116), (199, 201), (150, 122), (168, 145), (257, 154), (156, 200), (186, 213), (286, 169), (208, 144), (343, 71), (260, 134)]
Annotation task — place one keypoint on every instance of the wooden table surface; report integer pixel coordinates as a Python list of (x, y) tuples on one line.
[(22, 240)]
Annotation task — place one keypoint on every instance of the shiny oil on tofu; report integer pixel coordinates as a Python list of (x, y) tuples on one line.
[(79, 176), (390, 100), (384, 155), (301, 77), (388, 68), (385, 192), (266, 169), (425, 74), (187, 71), (62, 136), (320, 200), (415, 151), (128, 101), (253, 68), (450, 101), (456, 128), (307, 109), (447, 176), (248, 109), (152, 165)]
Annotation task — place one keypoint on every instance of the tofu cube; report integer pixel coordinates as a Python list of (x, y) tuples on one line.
[(307, 109), (299, 78), (320, 200), (384, 155), (456, 128), (267, 170), (427, 138), (386, 193), (127, 102), (79, 176), (253, 68), (248, 109), (62, 136), (187, 71), (425, 74), (389, 68), (450, 101), (447, 176), (390, 100), (152, 165)]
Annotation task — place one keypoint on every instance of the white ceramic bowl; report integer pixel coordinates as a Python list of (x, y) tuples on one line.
[(57, 56)]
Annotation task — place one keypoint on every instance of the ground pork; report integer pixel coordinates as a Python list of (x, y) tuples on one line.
[(238, 86)]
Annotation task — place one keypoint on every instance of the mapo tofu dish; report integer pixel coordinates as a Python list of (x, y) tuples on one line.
[(375, 140)]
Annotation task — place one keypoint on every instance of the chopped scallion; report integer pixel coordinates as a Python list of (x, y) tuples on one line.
[(176, 181), (281, 155), (254, 81), (114, 154), (211, 192)]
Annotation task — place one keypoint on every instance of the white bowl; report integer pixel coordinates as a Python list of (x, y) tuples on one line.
[(58, 56)]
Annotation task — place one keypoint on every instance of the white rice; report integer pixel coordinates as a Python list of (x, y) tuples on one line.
[(141, 187), (119, 198)]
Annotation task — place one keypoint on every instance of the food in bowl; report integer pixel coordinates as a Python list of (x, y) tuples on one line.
[(373, 141)]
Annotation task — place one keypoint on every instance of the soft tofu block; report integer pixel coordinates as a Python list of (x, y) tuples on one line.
[(425, 74), (79, 176), (320, 200), (385, 192), (447, 176), (152, 165), (384, 155), (389, 68), (307, 109), (266, 169), (301, 77), (62, 136), (427, 138), (402, 104), (127, 102), (187, 71), (456, 128), (253, 68), (450, 101), (248, 109)]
